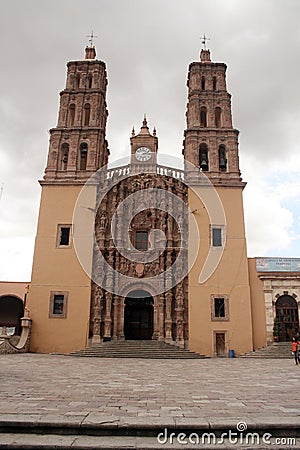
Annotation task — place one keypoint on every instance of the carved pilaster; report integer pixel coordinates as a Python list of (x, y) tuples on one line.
[(107, 320), (96, 329), (115, 322), (121, 319), (168, 316), (156, 318), (161, 308), (96, 306), (180, 314)]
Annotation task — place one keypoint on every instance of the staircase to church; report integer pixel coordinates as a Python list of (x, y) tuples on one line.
[(137, 349), (276, 350)]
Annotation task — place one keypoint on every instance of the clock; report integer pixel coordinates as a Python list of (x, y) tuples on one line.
[(143, 154)]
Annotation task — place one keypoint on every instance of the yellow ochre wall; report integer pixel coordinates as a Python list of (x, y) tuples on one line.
[(230, 278), (13, 288), (258, 306), (58, 269)]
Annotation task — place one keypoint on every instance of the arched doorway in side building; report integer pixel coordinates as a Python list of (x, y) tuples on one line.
[(288, 317), (11, 311), (138, 315)]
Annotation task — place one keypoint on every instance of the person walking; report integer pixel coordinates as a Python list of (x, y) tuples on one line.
[(295, 350)]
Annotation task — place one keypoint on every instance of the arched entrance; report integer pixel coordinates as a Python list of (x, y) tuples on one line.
[(288, 318), (138, 315), (11, 311)]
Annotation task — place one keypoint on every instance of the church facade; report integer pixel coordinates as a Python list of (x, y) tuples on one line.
[(145, 251)]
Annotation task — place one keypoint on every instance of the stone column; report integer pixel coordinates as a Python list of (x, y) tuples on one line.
[(155, 318), (115, 321), (161, 318), (101, 221), (107, 320), (270, 313), (179, 315), (96, 314), (96, 328), (168, 317), (121, 335), (73, 154)]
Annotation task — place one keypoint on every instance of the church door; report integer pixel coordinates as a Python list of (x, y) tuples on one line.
[(138, 316), (288, 318)]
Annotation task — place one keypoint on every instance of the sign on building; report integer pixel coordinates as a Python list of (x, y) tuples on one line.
[(278, 264)]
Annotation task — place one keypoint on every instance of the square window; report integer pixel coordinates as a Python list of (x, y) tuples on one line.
[(58, 305), (64, 236), (141, 240), (219, 306)]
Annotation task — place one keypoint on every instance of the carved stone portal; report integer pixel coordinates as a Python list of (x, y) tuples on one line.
[(169, 310)]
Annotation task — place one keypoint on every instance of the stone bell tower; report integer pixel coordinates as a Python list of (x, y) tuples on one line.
[(77, 145), (211, 142), (59, 297), (219, 293)]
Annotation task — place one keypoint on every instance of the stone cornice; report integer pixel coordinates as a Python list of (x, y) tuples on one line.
[(278, 275)]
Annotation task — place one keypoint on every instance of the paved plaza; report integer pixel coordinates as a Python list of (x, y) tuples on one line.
[(192, 394)]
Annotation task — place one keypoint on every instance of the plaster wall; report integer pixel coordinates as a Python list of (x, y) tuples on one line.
[(229, 279), (257, 306), (13, 288), (57, 269)]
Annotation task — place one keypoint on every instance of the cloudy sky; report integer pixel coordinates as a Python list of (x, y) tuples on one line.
[(147, 46)]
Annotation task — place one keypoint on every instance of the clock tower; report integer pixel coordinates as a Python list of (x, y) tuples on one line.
[(144, 148)]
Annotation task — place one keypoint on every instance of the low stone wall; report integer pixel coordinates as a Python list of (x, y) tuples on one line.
[(17, 344)]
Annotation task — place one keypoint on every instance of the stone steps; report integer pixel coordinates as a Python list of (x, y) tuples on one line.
[(65, 435), (137, 349), (276, 350), (66, 442)]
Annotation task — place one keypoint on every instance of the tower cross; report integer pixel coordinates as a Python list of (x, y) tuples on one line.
[(204, 39), (91, 37)]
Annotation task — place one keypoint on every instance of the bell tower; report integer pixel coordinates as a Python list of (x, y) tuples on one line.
[(210, 141), (60, 292), (219, 292), (77, 145)]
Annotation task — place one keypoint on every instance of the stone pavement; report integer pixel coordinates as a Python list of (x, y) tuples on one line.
[(112, 396)]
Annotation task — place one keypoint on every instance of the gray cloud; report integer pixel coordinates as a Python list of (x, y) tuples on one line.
[(147, 46)]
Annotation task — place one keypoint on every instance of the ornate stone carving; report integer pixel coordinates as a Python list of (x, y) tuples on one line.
[(165, 316)]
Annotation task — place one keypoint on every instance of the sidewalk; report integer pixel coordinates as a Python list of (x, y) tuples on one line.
[(140, 398)]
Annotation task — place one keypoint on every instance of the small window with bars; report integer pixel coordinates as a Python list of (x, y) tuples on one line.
[(58, 305), (219, 307)]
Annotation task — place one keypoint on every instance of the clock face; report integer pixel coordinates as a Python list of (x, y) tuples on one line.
[(143, 154)]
